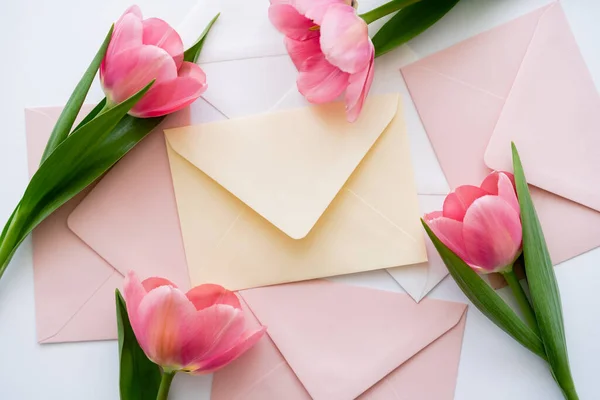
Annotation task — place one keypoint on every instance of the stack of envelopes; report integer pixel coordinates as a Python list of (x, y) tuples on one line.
[(262, 200)]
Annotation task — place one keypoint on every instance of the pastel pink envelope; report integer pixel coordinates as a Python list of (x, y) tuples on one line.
[(460, 93), (330, 341), (74, 285), (552, 113)]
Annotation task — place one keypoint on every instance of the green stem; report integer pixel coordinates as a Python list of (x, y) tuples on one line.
[(106, 107), (522, 300), (9, 241), (569, 392), (165, 385), (386, 9)]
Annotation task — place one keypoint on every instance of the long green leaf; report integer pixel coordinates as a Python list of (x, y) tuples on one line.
[(193, 52), (486, 299), (92, 114), (410, 22), (69, 113), (542, 284), (139, 378), (88, 159), (77, 162)]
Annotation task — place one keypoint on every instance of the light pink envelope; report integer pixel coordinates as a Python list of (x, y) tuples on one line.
[(552, 113), (330, 341), (74, 285), (460, 93)]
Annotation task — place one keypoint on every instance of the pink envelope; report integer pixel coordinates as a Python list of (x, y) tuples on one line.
[(552, 114), (330, 341), (460, 93), (74, 285)]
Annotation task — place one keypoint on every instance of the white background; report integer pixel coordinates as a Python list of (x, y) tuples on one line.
[(46, 45)]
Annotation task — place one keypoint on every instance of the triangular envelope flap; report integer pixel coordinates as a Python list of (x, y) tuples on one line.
[(287, 166), (489, 61), (340, 340), (552, 115)]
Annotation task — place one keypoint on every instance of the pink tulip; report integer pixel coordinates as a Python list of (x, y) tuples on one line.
[(196, 332), (142, 50), (330, 46), (482, 225)]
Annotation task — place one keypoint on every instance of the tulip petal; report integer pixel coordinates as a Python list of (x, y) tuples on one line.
[(158, 33), (502, 184), (291, 23), (133, 293), (302, 50), (207, 295), (490, 183), (506, 191), (432, 215), (356, 93), (457, 202), (167, 97), (492, 233), (130, 71), (162, 326), (450, 232), (154, 282), (210, 332), (246, 341), (345, 39), (135, 10), (316, 9), (128, 33), (319, 81)]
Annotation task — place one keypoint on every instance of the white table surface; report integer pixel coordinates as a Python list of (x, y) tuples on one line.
[(46, 45)]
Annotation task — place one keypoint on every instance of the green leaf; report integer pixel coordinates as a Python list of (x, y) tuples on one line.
[(486, 299), (410, 22), (77, 162), (193, 52), (94, 146), (69, 113), (542, 284), (139, 378), (92, 114)]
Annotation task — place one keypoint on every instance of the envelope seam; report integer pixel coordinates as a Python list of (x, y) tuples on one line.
[(282, 99), (222, 238), (527, 50), (284, 361), (214, 107), (381, 215), (80, 307), (232, 59), (478, 89), (262, 378), (387, 381)]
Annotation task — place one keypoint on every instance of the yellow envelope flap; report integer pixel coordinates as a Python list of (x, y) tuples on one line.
[(287, 166)]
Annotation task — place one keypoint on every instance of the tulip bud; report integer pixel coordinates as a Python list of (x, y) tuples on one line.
[(146, 50), (197, 332), (482, 225)]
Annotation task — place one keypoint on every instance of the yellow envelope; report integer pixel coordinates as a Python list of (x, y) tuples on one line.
[(296, 195)]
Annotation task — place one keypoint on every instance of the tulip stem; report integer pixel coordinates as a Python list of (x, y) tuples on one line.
[(522, 300), (165, 385), (386, 9)]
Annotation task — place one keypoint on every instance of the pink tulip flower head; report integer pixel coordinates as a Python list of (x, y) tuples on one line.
[(196, 332), (330, 46), (482, 225), (142, 50)]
